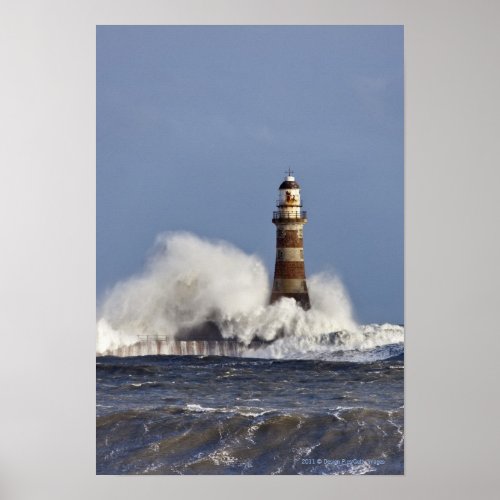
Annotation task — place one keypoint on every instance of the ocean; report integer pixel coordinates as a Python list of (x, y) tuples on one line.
[(244, 415)]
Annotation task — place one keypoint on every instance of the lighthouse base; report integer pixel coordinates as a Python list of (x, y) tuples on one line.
[(302, 299)]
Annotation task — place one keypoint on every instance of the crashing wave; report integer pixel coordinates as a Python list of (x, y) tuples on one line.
[(220, 293)]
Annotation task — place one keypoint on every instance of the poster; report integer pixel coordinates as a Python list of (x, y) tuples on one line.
[(250, 250)]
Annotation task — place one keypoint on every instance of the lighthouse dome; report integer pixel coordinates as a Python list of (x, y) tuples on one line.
[(289, 183)]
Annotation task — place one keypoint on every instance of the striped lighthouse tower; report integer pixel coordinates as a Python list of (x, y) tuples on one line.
[(289, 271)]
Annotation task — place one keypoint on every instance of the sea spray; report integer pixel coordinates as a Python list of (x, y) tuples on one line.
[(189, 280)]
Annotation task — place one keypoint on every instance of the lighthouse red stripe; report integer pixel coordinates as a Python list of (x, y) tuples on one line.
[(289, 269), (290, 239)]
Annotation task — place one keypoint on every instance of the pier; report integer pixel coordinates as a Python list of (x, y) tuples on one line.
[(151, 345)]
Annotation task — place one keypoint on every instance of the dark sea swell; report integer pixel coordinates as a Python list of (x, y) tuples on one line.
[(216, 415)]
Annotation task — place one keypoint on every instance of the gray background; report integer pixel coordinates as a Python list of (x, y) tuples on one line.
[(47, 260)]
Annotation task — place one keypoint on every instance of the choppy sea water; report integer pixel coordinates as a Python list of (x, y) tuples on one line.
[(220, 415)]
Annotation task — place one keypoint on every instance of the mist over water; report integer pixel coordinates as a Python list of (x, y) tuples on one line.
[(188, 281)]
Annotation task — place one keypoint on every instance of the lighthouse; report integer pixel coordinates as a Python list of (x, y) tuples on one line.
[(289, 219)]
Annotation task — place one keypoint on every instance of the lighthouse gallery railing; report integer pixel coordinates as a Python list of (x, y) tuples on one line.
[(297, 214)]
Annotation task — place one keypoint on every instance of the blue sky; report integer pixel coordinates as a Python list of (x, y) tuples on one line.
[(197, 124)]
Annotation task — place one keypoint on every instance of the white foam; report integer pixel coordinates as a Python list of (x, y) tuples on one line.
[(377, 343), (200, 409)]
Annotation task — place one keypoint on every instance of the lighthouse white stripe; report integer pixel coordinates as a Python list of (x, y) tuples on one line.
[(289, 285), (290, 254)]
